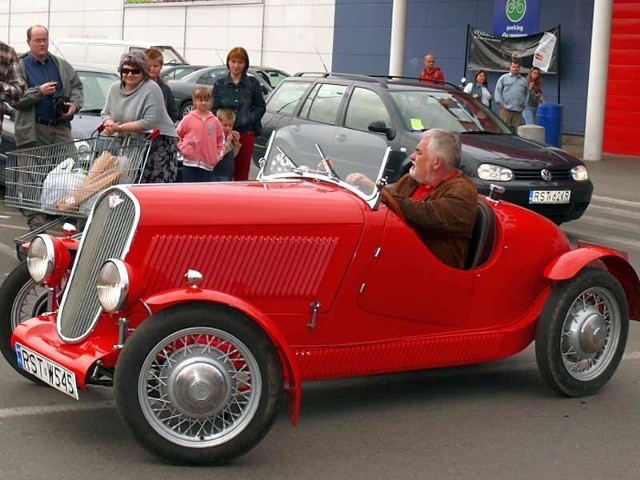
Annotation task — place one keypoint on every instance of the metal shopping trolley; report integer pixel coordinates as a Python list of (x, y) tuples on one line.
[(61, 181)]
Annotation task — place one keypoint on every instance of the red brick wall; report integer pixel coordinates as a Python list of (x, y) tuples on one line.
[(622, 117)]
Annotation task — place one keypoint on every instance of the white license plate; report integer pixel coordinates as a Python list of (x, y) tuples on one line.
[(46, 370), (549, 196)]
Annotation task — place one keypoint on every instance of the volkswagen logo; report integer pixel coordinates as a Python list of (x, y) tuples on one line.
[(546, 175)]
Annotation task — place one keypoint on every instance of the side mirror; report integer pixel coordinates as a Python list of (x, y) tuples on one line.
[(380, 127)]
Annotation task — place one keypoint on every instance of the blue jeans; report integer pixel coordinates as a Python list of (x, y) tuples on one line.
[(529, 115), (195, 174)]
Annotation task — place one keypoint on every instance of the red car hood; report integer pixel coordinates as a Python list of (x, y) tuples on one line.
[(248, 203)]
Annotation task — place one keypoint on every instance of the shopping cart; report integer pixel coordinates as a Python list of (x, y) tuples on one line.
[(60, 182)]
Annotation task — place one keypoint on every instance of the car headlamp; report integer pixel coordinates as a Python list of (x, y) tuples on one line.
[(48, 260), (40, 258), (580, 173), (494, 173), (113, 285)]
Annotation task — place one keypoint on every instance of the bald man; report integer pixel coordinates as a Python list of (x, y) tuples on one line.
[(431, 73)]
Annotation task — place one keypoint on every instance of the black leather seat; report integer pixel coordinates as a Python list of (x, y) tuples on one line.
[(482, 236)]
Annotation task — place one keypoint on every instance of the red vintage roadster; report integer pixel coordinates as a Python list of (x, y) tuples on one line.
[(202, 304)]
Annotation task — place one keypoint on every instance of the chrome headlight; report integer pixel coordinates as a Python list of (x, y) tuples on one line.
[(41, 258), (580, 173), (112, 285), (494, 173)]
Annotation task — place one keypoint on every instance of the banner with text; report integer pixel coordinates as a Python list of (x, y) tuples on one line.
[(494, 53)]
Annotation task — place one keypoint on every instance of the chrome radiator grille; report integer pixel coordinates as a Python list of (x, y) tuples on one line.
[(108, 235)]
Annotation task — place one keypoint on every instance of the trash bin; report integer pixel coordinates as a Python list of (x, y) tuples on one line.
[(550, 117)]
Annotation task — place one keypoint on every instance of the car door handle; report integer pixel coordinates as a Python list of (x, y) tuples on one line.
[(341, 138)]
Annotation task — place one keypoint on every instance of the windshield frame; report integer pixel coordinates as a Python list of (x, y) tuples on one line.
[(301, 173)]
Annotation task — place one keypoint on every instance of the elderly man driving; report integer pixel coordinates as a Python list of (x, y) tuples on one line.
[(435, 198)]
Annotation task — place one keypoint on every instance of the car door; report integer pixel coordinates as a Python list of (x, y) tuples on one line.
[(406, 281), (364, 106)]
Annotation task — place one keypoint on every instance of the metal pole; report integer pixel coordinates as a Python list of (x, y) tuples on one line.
[(398, 36), (466, 52), (598, 70), (559, 61)]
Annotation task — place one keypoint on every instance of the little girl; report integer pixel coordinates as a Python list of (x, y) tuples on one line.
[(201, 138)]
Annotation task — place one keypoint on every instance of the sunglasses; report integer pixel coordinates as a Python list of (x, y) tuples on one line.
[(132, 71)]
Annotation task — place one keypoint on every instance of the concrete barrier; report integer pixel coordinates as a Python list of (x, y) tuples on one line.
[(532, 132)]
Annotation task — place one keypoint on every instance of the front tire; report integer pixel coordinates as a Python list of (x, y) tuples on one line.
[(198, 384), (582, 333), (20, 299)]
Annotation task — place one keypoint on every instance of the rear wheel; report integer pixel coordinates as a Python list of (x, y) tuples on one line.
[(20, 299), (198, 384), (582, 333)]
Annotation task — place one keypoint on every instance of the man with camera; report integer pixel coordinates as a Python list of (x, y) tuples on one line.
[(54, 94)]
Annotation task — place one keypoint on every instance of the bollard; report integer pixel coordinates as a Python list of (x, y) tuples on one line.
[(532, 132)]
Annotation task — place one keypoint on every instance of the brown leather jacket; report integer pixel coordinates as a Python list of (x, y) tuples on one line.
[(444, 219)]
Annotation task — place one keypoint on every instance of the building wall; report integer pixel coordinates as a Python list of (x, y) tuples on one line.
[(363, 30), (279, 33), (623, 98)]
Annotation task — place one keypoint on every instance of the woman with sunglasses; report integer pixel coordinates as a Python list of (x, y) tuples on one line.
[(135, 105)]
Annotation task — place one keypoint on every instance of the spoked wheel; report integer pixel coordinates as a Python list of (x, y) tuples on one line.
[(582, 333), (20, 299), (198, 384)]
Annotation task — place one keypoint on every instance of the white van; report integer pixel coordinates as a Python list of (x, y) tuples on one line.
[(106, 53)]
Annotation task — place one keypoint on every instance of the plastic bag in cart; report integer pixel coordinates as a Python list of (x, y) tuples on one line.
[(106, 170), (59, 182)]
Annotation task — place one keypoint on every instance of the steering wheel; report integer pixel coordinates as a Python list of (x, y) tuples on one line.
[(391, 203)]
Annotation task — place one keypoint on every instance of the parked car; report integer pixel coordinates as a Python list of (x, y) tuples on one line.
[(96, 83), (183, 89), (202, 320), (177, 72), (106, 53), (544, 179)]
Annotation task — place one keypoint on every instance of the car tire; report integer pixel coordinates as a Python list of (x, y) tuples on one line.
[(20, 299), (235, 366), (582, 333), (185, 108)]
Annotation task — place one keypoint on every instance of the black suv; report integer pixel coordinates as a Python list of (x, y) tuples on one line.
[(545, 179)]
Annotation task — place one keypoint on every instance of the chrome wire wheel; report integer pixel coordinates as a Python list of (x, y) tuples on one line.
[(31, 300), (199, 387), (582, 332), (590, 334)]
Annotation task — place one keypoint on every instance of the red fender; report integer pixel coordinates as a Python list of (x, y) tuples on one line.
[(569, 264), (161, 301)]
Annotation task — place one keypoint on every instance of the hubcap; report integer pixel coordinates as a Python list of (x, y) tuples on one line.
[(588, 333), (199, 387)]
